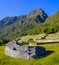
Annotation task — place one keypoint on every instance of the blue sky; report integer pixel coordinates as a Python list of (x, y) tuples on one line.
[(22, 7)]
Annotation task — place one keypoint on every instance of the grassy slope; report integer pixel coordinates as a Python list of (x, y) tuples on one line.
[(50, 59)]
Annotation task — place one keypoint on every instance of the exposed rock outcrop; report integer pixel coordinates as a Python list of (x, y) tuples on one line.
[(15, 50)]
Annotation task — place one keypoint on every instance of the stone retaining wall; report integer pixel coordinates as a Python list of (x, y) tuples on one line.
[(47, 41)]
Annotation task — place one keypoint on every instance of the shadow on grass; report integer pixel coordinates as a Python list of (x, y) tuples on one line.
[(49, 52), (47, 43), (3, 45)]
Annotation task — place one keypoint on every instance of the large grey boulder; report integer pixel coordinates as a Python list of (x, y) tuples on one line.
[(15, 50)]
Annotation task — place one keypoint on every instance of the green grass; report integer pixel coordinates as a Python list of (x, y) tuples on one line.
[(50, 59)]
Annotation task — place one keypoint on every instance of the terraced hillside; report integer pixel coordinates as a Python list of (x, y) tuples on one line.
[(42, 38)]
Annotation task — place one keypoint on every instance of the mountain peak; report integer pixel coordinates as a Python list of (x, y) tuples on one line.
[(37, 12)]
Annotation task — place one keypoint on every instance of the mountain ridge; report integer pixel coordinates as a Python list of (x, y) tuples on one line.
[(35, 13), (15, 26)]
